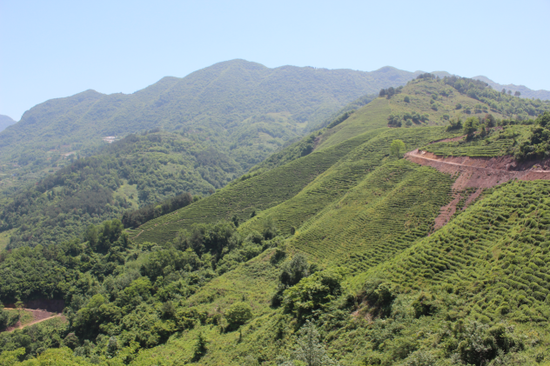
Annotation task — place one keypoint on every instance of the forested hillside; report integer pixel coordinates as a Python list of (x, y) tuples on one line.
[(339, 249), (139, 171), (242, 109)]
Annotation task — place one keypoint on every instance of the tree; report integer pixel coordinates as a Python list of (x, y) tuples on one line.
[(309, 349), (517, 93), (238, 314), (397, 148), (407, 99), (200, 348), (470, 127)]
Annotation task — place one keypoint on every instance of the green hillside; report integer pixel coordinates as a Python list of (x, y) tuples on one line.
[(135, 172), (242, 109), (270, 183), (327, 251)]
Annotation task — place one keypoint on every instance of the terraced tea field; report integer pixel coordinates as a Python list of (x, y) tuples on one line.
[(495, 254), (384, 214)]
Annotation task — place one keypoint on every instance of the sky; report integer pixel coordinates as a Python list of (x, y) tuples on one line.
[(52, 49)]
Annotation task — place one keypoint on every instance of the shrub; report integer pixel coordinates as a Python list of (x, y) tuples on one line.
[(238, 314)]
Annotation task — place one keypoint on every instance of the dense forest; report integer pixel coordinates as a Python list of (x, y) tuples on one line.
[(332, 251), (139, 171)]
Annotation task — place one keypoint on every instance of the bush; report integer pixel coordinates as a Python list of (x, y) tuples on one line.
[(312, 293), (238, 314)]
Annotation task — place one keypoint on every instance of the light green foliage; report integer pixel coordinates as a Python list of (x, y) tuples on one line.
[(238, 314), (262, 191), (382, 287), (497, 142), (397, 148)]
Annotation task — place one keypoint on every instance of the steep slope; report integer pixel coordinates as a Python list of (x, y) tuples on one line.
[(436, 99), (360, 273)]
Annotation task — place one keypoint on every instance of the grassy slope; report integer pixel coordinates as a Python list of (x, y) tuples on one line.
[(491, 260), (342, 177), (489, 263), (253, 194), (375, 114), (273, 187), (495, 255)]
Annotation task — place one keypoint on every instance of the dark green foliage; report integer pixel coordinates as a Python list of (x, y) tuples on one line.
[(537, 145), (212, 239), (390, 92), (340, 119), (379, 296), (312, 294), (470, 127), (93, 189), (35, 339), (426, 76), (133, 219), (292, 272), (200, 348), (454, 124), (397, 120)]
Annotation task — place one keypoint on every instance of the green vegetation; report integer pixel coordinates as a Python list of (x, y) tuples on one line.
[(240, 109), (537, 145), (317, 258), (139, 171)]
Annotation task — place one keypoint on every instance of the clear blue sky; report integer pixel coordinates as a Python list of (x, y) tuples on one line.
[(51, 49)]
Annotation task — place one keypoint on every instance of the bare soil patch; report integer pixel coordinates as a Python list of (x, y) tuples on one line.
[(39, 315), (477, 173)]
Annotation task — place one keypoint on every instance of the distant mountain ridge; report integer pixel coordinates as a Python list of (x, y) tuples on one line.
[(241, 108), (5, 121), (525, 91)]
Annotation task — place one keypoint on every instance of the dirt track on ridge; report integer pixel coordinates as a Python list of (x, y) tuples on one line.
[(479, 173), (39, 315)]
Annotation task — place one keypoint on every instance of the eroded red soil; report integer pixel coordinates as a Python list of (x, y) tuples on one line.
[(479, 173)]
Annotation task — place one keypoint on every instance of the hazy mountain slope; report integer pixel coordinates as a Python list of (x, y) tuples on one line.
[(525, 91), (5, 121), (238, 107)]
